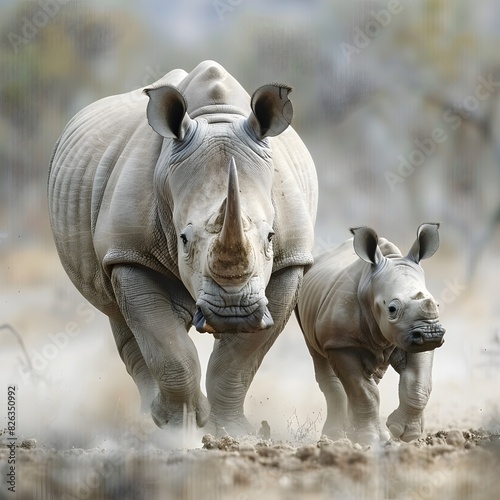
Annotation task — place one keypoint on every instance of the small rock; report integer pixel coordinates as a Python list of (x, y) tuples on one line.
[(324, 441), (265, 430), (226, 443), (28, 444), (455, 438), (209, 442)]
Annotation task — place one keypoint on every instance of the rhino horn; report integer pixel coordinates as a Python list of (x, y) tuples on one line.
[(232, 234), (429, 308), (232, 257)]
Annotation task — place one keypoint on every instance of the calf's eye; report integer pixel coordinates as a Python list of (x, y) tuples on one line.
[(393, 309)]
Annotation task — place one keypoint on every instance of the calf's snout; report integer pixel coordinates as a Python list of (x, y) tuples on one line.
[(427, 337)]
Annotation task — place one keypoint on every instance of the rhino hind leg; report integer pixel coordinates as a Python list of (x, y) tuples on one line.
[(134, 361), (336, 423), (236, 357), (362, 394)]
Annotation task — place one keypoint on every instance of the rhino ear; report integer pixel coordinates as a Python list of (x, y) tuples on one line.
[(426, 244), (366, 245), (272, 111), (166, 111)]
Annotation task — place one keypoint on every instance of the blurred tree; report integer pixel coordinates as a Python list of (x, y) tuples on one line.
[(56, 57)]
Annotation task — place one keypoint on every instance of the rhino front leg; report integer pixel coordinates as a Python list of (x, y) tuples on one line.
[(362, 393), (415, 385), (134, 361), (236, 357), (146, 299)]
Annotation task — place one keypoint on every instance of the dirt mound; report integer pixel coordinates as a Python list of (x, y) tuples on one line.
[(450, 464)]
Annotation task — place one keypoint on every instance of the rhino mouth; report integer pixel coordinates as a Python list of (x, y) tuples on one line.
[(425, 337), (219, 312)]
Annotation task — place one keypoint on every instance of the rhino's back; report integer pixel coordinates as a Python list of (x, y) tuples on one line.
[(106, 150), (295, 199), (329, 309), (209, 88), (324, 285)]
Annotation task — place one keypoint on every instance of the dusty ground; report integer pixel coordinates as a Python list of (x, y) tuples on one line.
[(77, 437), (450, 464)]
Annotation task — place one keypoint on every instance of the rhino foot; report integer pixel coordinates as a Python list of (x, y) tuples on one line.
[(223, 426), (334, 431), (367, 437), (175, 414), (405, 427)]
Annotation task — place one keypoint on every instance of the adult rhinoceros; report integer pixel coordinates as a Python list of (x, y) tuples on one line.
[(187, 203)]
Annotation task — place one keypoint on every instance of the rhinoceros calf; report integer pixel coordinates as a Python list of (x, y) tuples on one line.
[(362, 307), (187, 203)]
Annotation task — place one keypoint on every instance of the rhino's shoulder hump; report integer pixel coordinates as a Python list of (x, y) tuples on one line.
[(209, 87), (388, 249)]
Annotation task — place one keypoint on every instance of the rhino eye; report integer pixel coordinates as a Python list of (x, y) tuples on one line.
[(270, 236), (186, 235), (393, 309)]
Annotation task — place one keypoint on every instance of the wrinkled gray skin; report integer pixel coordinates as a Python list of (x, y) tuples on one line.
[(363, 307), (187, 203)]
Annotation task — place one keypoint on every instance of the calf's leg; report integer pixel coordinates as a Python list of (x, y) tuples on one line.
[(336, 399), (415, 385), (362, 393)]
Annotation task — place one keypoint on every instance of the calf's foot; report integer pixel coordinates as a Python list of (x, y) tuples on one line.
[(404, 426)]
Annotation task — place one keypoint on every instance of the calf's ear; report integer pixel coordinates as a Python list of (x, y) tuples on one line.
[(166, 111), (272, 111), (427, 242), (365, 245)]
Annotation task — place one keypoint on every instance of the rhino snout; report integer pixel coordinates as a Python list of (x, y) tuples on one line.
[(218, 311), (217, 324), (426, 337)]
